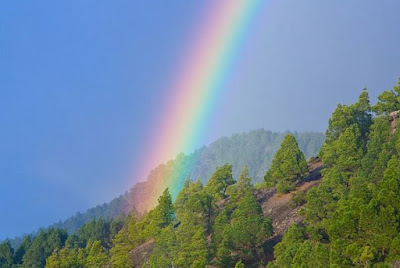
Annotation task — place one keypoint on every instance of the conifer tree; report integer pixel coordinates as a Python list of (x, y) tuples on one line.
[(164, 212), (389, 101), (97, 256), (241, 188), (220, 181), (20, 252), (6, 255), (249, 226), (165, 252), (137, 231), (288, 166)]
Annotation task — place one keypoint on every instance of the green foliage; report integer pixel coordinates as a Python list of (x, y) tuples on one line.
[(96, 230), (242, 187), (67, 258), (20, 252), (220, 181), (295, 251), (249, 227), (88, 247), (353, 217), (254, 149), (297, 199), (135, 232), (163, 213), (192, 246), (239, 264), (379, 149), (6, 255), (97, 255), (344, 116), (389, 101), (239, 227), (43, 246), (165, 250), (346, 152), (186, 246), (195, 203), (288, 166)]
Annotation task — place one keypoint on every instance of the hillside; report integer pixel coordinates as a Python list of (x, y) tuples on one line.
[(340, 209), (254, 149), (282, 209)]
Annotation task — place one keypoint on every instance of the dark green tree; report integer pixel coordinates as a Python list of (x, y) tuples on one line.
[(288, 166), (242, 187), (6, 255), (220, 181), (43, 245), (96, 256), (20, 252), (249, 226), (164, 212), (389, 101)]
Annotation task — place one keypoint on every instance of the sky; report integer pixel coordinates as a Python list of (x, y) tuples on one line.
[(82, 83)]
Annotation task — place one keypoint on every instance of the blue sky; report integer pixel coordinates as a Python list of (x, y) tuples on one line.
[(81, 83)]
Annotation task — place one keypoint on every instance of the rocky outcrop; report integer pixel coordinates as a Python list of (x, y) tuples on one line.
[(280, 207), (141, 254), (396, 264), (393, 118), (282, 210)]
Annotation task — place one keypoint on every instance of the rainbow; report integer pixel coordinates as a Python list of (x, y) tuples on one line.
[(205, 68)]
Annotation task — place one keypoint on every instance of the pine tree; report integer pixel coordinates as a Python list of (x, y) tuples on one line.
[(163, 213), (6, 255), (249, 226), (288, 166), (241, 188), (97, 255), (389, 101), (20, 252), (220, 181), (191, 245), (165, 252)]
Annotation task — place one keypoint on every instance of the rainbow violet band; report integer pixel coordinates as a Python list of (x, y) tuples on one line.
[(205, 68)]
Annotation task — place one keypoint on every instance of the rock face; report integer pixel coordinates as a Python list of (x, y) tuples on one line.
[(141, 254), (282, 210), (393, 117), (396, 264), (280, 207)]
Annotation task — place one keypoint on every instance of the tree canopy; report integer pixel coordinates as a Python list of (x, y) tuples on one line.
[(288, 166)]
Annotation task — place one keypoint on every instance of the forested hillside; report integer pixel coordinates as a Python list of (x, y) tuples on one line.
[(254, 149), (353, 217), (341, 209)]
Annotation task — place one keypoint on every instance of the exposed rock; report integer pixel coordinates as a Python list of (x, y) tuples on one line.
[(396, 264), (393, 118), (281, 210), (280, 207), (221, 203), (263, 195), (141, 254)]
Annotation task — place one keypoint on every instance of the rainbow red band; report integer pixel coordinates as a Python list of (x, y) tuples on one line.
[(197, 87)]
